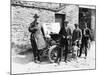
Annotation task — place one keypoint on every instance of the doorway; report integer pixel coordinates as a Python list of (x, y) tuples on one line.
[(84, 17), (60, 19)]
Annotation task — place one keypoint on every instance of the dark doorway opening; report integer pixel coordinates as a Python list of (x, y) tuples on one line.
[(84, 17), (60, 18)]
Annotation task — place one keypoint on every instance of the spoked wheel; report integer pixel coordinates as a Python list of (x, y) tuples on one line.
[(53, 53)]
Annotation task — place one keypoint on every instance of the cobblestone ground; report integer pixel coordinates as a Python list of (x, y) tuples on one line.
[(23, 63)]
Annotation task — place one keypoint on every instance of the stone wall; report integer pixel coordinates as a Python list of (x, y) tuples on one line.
[(23, 16), (21, 19), (71, 14)]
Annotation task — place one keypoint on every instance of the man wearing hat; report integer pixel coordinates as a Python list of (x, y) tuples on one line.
[(36, 38), (66, 33), (32, 29)]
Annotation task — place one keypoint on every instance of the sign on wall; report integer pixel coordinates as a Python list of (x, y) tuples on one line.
[(51, 28)]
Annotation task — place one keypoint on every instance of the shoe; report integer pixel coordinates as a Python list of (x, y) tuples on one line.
[(65, 61), (36, 61), (85, 57), (79, 56), (58, 63), (69, 60)]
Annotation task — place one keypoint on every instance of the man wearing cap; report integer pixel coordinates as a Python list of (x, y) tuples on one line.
[(85, 39), (77, 33), (36, 38), (66, 33), (77, 36)]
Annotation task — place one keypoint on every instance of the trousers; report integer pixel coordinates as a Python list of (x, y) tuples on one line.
[(35, 49)]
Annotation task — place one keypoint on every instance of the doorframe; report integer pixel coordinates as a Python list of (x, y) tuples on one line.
[(63, 19)]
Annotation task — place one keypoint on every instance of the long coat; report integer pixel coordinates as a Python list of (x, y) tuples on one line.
[(66, 32), (38, 35)]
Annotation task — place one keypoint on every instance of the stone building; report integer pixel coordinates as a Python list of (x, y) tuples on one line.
[(22, 13)]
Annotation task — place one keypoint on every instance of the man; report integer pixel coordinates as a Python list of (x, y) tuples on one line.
[(85, 40), (77, 36), (66, 34), (33, 29)]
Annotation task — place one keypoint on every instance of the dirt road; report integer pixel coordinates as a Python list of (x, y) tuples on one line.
[(23, 63)]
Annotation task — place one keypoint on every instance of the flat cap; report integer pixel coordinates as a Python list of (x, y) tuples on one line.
[(76, 24), (66, 22)]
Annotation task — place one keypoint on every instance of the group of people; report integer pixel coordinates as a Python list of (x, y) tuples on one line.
[(78, 35)]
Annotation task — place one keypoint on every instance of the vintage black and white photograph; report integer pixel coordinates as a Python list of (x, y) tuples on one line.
[(52, 37)]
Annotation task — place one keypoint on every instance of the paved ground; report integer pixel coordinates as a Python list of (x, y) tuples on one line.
[(23, 63)]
